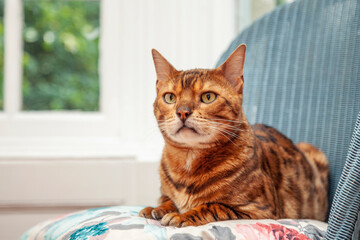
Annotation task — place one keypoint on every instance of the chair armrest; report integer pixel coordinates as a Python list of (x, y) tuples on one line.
[(346, 205), (356, 234)]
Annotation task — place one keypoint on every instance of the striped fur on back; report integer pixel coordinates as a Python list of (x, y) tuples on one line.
[(216, 166)]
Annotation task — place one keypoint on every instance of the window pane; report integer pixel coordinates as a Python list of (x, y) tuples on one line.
[(61, 55), (1, 54)]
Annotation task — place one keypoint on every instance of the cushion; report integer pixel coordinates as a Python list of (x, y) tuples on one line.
[(122, 222)]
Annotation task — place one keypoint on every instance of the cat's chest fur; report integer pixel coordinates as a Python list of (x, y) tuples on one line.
[(191, 178), (184, 175)]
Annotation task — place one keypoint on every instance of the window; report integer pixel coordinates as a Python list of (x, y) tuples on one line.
[(34, 53), (60, 57)]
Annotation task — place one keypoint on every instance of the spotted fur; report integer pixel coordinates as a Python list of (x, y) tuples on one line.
[(216, 166)]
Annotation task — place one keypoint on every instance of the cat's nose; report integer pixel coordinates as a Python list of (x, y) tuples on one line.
[(183, 113)]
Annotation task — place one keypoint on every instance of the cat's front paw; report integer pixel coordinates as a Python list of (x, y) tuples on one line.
[(177, 220), (153, 213), (146, 212)]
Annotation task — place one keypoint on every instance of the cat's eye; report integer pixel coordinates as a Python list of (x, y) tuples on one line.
[(208, 97), (169, 98)]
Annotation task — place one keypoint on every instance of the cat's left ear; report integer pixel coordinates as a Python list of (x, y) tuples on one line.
[(233, 68)]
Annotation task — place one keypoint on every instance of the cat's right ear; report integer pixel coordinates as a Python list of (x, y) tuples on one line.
[(163, 68)]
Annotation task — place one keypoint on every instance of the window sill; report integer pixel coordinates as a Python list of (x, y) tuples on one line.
[(65, 148)]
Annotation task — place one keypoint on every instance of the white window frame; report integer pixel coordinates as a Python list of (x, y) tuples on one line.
[(125, 116), (56, 133)]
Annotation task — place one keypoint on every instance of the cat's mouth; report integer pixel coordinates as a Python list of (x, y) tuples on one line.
[(186, 128)]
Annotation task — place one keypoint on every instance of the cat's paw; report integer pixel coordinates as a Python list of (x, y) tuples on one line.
[(153, 213), (176, 220), (146, 212)]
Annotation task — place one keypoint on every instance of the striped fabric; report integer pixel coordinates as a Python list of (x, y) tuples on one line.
[(302, 76)]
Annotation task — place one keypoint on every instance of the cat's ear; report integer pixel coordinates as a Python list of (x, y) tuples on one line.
[(163, 68), (233, 68)]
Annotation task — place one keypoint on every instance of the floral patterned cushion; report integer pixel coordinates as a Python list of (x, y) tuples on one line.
[(123, 223)]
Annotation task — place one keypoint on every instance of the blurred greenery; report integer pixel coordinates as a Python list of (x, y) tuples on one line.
[(61, 55), (280, 2), (1, 53)]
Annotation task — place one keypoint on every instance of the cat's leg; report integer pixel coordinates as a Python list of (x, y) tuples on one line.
[(166, 205), (203, 214)]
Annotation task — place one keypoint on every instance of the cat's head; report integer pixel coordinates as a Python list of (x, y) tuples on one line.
[(200, 107)]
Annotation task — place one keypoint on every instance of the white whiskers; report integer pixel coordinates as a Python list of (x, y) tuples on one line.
[(229, 130)]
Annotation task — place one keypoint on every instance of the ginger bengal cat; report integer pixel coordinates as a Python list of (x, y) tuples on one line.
[(215, 166)]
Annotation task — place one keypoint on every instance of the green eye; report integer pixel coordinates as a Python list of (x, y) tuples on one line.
[(169, 98), (208, 97)]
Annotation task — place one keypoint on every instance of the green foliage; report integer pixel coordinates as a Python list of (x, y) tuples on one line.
[(1, 54), (61, 55)]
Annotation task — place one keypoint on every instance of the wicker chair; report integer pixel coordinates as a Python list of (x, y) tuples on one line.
[(302, 75)]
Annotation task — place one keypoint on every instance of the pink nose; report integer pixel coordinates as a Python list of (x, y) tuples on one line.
[(183, 113)]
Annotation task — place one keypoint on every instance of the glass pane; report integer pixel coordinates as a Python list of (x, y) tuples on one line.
[(61, 55), (1, 54)]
